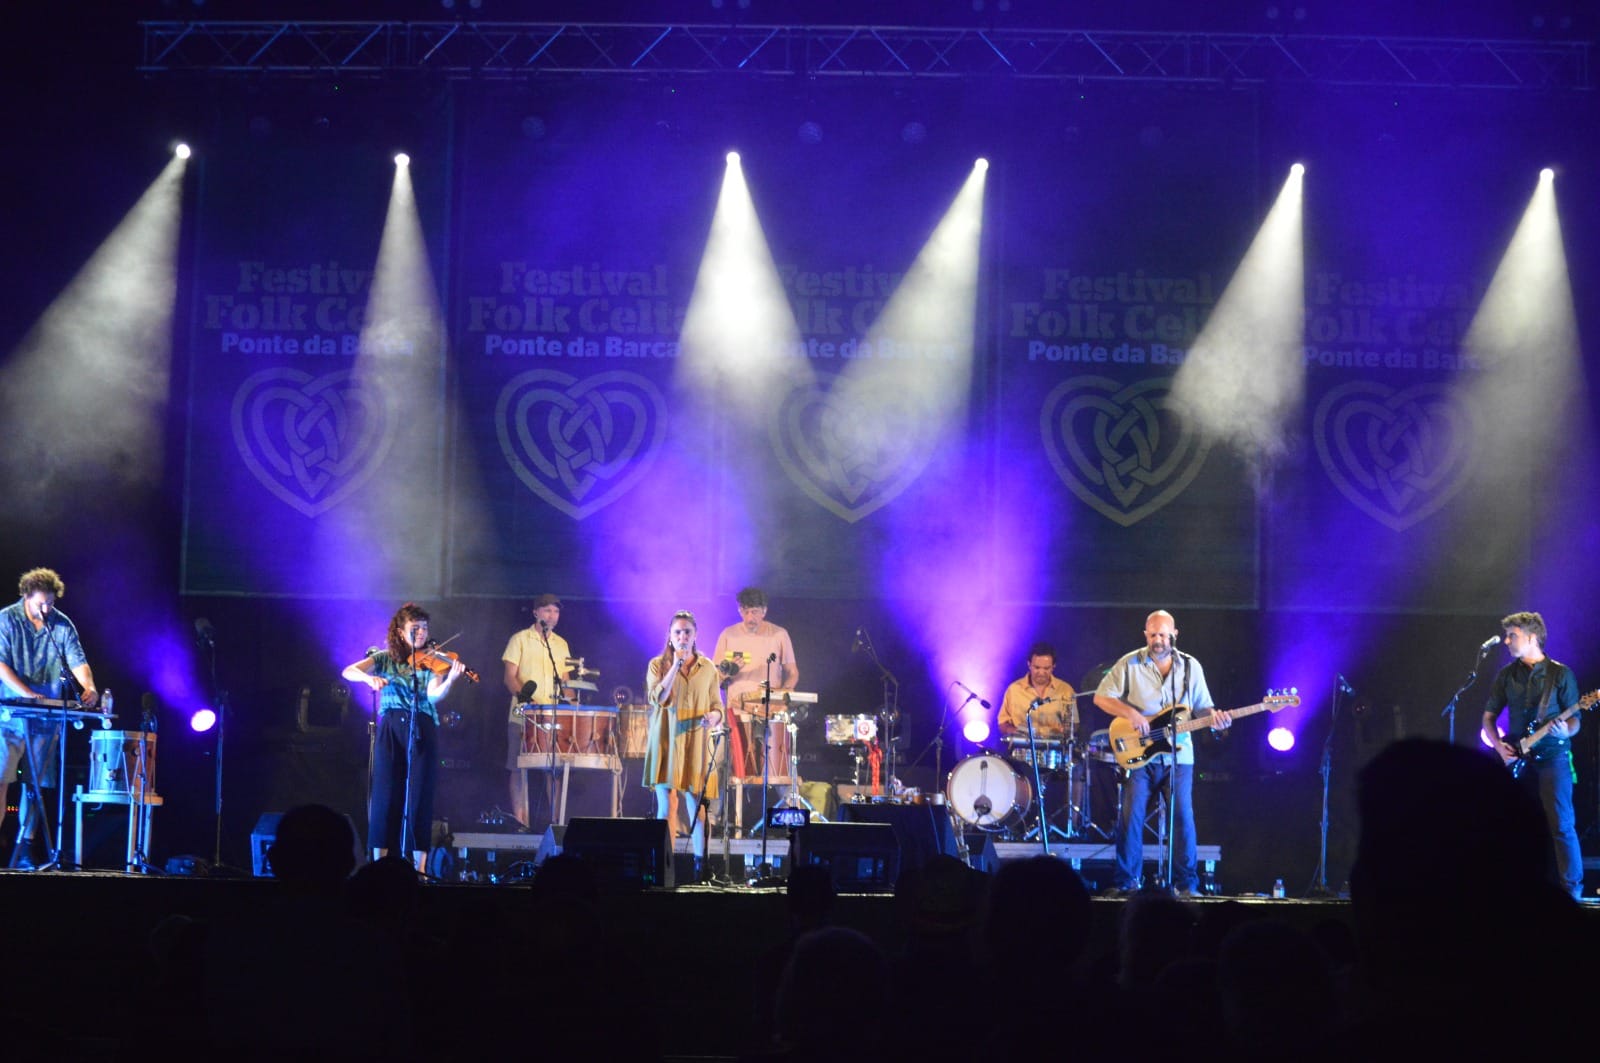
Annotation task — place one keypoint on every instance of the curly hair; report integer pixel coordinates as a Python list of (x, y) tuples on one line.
[(41, 579), (397, 627), (1532, 623)]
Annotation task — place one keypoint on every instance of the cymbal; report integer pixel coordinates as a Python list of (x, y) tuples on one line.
[(580, 684)]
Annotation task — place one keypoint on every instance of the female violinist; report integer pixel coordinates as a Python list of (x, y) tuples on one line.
[(406, 749)]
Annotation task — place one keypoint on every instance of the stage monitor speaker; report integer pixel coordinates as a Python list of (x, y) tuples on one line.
[(864, 857), (625, 853), (261, 839)]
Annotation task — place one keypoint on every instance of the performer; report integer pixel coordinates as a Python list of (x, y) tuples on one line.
[(1532, 688), (538, 655), (685, 715), (408, 697), (1057, 714), (1138, 686), (742, 654), (35, 640)]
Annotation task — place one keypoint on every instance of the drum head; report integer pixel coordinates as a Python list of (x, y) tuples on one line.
[(988, 794)]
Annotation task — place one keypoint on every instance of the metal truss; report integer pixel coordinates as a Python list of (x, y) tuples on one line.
[(508, 50)]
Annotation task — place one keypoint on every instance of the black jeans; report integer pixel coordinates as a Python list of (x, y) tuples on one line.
[(391, 782)]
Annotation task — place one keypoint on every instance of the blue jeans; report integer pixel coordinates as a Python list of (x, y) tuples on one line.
[(1555, 794), (691, 806), (1136, 793)]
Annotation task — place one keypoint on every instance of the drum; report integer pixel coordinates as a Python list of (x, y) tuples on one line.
[(750, 731), (1099, 747), (114, 761), (1051, 756), (634, 723), (850, 730), (988, 793), (564, 729)]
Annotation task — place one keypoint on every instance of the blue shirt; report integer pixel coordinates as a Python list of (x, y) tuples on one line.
[(405, 684), (35, 653)]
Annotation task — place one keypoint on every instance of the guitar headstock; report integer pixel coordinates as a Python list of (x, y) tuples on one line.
[(1589, 700), (1283, 698)]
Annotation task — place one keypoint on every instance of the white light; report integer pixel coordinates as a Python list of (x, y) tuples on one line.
[(402, 159), (981, 164), (181, 151), (1547, 174), (1297, 169), (733, 158)]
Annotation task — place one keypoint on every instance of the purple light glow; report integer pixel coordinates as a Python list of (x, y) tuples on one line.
[(1281, 739)]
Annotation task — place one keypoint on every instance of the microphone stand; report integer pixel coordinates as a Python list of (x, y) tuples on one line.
[(1320, 889), (418, 692), (1038, 781), (70, 691), (766, 760), (891, 709), (219, 698), (1472, 677)]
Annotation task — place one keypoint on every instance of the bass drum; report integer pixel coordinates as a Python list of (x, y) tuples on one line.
[(986, 792)]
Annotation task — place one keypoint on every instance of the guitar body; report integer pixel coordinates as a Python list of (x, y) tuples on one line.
[(1134, 750), (1537, 731)]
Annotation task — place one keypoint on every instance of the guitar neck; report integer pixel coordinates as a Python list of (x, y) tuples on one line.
[(1194, 723), (1585, 702)]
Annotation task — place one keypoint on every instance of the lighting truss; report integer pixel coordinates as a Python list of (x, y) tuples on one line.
[(509, 50)]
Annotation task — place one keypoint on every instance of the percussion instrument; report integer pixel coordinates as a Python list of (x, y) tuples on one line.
[(634, 724), (13, 708), (850, 730), (580, 684), (777, 746), (988, 793), (114, 761), (1052, 757), (565, 729), (1099, 747)]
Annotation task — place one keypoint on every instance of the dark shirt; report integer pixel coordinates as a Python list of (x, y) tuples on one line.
[(1521, 690)]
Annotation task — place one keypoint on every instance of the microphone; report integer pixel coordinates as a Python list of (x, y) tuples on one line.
[(855, 647), (1345, 687), (44, 614), (970, 691), (1489, 644), (204, 632), (147, 710), (543, 625), (526, 693)]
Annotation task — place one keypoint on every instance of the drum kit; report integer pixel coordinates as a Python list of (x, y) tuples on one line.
[(994, 792)]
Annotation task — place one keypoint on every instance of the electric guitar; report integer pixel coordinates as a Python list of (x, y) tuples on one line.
[(1525, 744), (1134, 750)]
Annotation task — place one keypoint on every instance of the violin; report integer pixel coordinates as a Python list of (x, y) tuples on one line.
[(440, 662)]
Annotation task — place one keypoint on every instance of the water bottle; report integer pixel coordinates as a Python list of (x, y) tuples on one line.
[(1277, 889)]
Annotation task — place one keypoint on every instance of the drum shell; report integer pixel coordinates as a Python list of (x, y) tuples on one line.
[(114, 760), (750, 766), (575, 731), (634, 726)]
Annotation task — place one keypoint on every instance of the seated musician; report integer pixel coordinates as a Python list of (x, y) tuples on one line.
[(536, 654), (1056, 717), (35, 638), (742, 656)]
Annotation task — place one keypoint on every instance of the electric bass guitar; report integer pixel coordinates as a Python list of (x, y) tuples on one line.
[(1134, 750), (1525, 744)]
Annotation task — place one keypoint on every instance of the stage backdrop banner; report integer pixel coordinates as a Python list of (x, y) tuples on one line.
[(312, 465), (1108, 273)]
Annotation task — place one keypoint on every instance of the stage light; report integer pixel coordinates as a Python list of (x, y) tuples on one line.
[(975, 727), (980, 164), (181, 151), (1281, 739), (1547, 174), (733, 158), (203, 720), (402, 159), (1297, 170)]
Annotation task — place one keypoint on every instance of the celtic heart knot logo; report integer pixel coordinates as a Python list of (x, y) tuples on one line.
[(311, 441), (1397, 454), (580, 444), (1121, 448), (849, 455)]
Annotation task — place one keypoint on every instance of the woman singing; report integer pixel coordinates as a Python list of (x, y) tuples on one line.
[(685, 714), (406, 702)]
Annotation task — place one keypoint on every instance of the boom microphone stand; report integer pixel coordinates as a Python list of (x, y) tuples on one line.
[(1320, 889), (1472, 677), (1038, 781)]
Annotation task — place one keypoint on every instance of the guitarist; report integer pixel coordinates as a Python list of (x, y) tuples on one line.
[(1532, 688), (1137, 687)]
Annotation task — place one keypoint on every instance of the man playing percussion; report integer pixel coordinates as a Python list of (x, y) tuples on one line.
[(35, 640), (535, 654), (744, 651), (1056, 715)]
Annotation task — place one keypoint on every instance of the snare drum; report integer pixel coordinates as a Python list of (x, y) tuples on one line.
[(563, 729), (988, 793), (114, 761), (634, 723), (1051, 756)]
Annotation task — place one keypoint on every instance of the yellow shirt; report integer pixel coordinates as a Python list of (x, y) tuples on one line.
[(1048, 720), (527, 651)]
